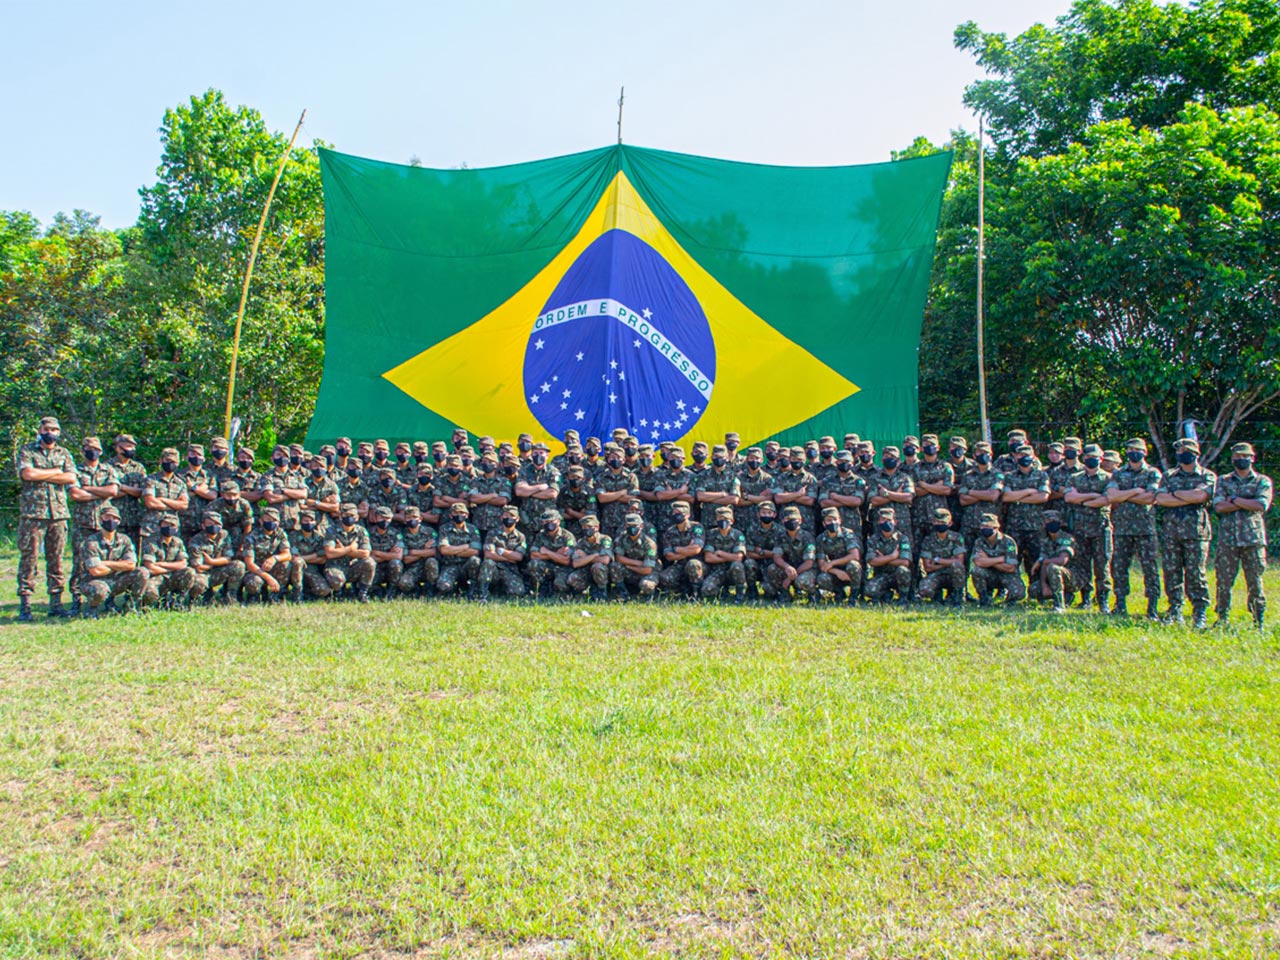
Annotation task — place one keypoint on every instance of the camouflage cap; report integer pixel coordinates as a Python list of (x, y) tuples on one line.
[(618, 433), (364, 445), (673, 451), (50, 422), (304, 512), (1092, 450), (680, 506), (229, 486), (326, 448), (961, 442), (590, 520), (772, 445), (383, 513), (1136, 443), (297, 448), (1056, 447), (349, 510), (633, 518), (196, 448), (890, 451), (1013, 434), (170, 517), (830, 440), (403, 447), (459, 509), (612, 447), (426, 469), (126, 438), (510, 510), (844, 456), (720, 448), (724, 511), (421, 448), (929, 436), (791, 510), (92, 443), (110, 511), (169, 452), (635, 504), (851, 438), (886, 513), (942, 514), (466, 450), (489, 457), (831, 512), (220, 443), (571, 433), (755, 450), (279, 448), (910, 441), (453, 460), (990, 519), (412, 512), (381, 444), (271, 512), (509, 460), (699, 445), (1074, 443), (541, 446), (215, 515), (316, 458), (386, 472), (982, 445), (459, 431), (795, 451), (1052, 515), (732, 435), (1111, 455), (1024, 448), (482, 441), (1242, 450), (439, 446), (525, 436), (646, 448), (575, 471), (572, 448), (549, 515)]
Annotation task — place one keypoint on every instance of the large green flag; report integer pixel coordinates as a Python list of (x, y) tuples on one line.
[(675, 296)]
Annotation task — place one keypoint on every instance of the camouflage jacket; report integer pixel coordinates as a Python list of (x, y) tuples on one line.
[(385, 541), (467, 535), (643, 548), (833, 546), (261, 544), (340, 536), (1052, 545), (925, 503), (712, 481), (392, 498), (1026, 517), (277, 483), (512, 539), (674, 537), (581, 498), (100, 474), (531, 507), (195, 477), (1089, 521), (302, 543), (1243, 528), (878, 545), (155, 549), (1192, 521), (424, 498), (1134, 519), (555, 542), (796, 550), (1004, 547), (488, 516), (612, 514), (983, 480), (730, 541), (897, 482), (202, 547), (235, 517), (602, 544), (99, 550), (789, 481), (42, 500), (764, 542), (170, 487), (352, 491), (941, 546), (424, 538), (846, 485), (130, 473)]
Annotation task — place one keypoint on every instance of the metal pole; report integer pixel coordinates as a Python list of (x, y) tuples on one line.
[(248, 273), (982, 229), (621, 96)]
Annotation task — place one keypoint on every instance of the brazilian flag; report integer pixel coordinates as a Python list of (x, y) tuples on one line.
[(677, 296)]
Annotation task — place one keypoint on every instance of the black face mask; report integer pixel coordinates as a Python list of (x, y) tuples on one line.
[(633, 530), (887, 526), (957, 453), (539, 458), (630, 452), (269, 525), (218, 455), (194, 461), (832, 527), (387, 483), (487, 466), (593, 451), (1025, 461), (1186, 457), (865, 457), (930, 449), (551, 526), (348, 521), (753, 465), (413, 523), (344, 451), (983, 458), (438, 458), (317, 473), (677, 465), (1136, 456), (575, 482), (366, 459), (353, 472), (731, 445), (424, 481), (329, 458), (724, 524), (1091, 463), (908, 451), (940, 528), (166, 531), (771, 456), (524, 446), (1243, 464), (508, 522), (421, 459), (459, 519), (890, 463), (48, 439), (718, 462), (844, 466), (767, 519), (295, 461), (1014, 445), (699, 458), (246, 464), (826, 454), (646, 462), (1053, 526), (466, 463), (90, 455), (1070, 456), (510, 471), (987, 532), (791, 524), (279, 461), (127, 454), (110, 525), (380, 455), (614, 463), (797, 464), (402, 457), (308, 526), (168, 467), (381, 524)]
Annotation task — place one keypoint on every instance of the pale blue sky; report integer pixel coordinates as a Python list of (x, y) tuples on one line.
[(795, 82)]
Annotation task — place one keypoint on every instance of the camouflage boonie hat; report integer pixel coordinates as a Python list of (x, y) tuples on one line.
[(791, 511), (383, 513), (831, 512), (633, 518), (886, 513), (990, 519), (725, 512), (126, 438), (50, 422), (304, 512), (1242, 449), (1092, 450), (170, 452), (459, 510), (215, 515), (680, 506), (271, 512), (943, 514), (511, 510), (110, 511), (93, 443), (229, 486), (549, 515), (962, 443), (412, 513), (1137, 443)]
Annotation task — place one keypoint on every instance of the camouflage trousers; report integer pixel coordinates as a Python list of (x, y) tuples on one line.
[(309, 579), (98, 590), (681, 574), (419, 573), (1185, 562), (31, 534), (757, 573), (1227, 564), (951, 579), (833, 584), (883, 582), (593, 575), (1053, 582), (228, 576), (987, 580), (454, 575), (806, 581), (717, 575), (386, 573), (540, 571), (255, 583), (180, 584), (620, 576), (357, 572), (1091, 563), (80, 537), (1143, 547), (1028, 542), (506, 575)]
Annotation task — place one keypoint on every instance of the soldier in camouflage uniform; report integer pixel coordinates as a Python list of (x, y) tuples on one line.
[(571, 442), (942, 552), (648, 483), (577, 498), (504, 552), (490, 492), (614, 486), (237, 516), (682, 545), (724, 551), (1086, 493), (889, 557), (895, 490), (677, 485), (1185, 531), (306, 546), (212, 556), (219, 466), (47, 472), (202, 490), (994, 564), (717, 486), (838, 551), (110, 565), (406, 469), (1007, 463), (284, 488), (1051, 577), (247, 478), (979, 489), (551, 555), (1241, 499), (755, 486), (961, 463), (699, 466), (423, 496), (796, 487), (267, 559), (1110, 460), (131, 476), (421, 565), (846, 491), (1132, 492), (763, 537), (381, 461), (341, 460), (1026, 490), (795, 557), (164, 556), (732, 443), (458, 549), (935, 481), (388, 493), (322, 496), (590, 561), (536, 489), (353, 490), (163, 492), (347, 554), (825, 469), (386, 550), (635, 560), (95, 485)]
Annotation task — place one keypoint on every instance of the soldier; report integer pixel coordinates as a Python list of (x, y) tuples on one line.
[(631, 455), (212, 556), (677, 485), (1026, 490), (592, 464), (110, 566), (732, 443), (284, 488), (635, 554), (838, 550), (96, 483), (439, 454), (763, 537), (219, 466), (490, 492), (590, 560), (795, 555), (796, 487), (895, 490), (1086, 492), (237, 517), (459, 439), (163, 492), (910, 454), (1051, 577), (979, 489), (342, 460), (935, 481), (551, 555), (724, 551), (322, 497), (267, 559), (572, 445), (1110, 460), (381, 461), (648, 482), (851, 441), (614, 486), (635, 505), (942, 552), (682, 544), (846, 492), (1242, 498), (388, 493), (825, 470), (421, 566), (386, 550), (132, 477), (406, 469), (1132, 491), (421, 455), (202, 490), (47, 472), (171, 580), (306, 546), (755, 486), (958, 457), (247, 478), (577, 498), (716, 487), (423, 495), (699, 456), (1007, 463), (536, 489), (995, 563), (504, 550), (347, 554), (1185, 531), (364, 454), (775, 460), (328, 456), (889, 558), (458, 548)]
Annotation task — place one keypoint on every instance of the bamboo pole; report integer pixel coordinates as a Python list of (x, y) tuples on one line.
[(982, 229)]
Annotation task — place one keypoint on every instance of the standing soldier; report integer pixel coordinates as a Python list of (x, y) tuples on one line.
[(341, 459), (1242, 499), (847, 492), (1007, 463), (46, 471), (935, 481), (577, 498), (896, 491), (755, 486), (322, 497), (716, 487), (995, 563), (164, 492), (682, 544), (267, 559), (132, 477), (237, 517), (212, 556), (405, 468), (111, 566), (202, 490), (388, 493), (723, 553), (794, 557), (1185, 531), (825, 470), (421, 566), (732, 442), (1051, 577), (590, 560), (423, 495), (648, 482), (1132, 491), (942, 552), (247, 478), (386, 550), (763, 537), (614, 487), (95, 485), (699, 465), (219, 466), (635, 554), (796, 487), (1086, 493), (353, 490), (347, 554), (171, 580), (458, 548), (1026, 490), (284, 488), (536, 489), (550, 555), (490, 492), (838, 550), (888, 560), (1110, 460), (979, 489), (958, 457), (306, 546), (504, 550), (677, 485)]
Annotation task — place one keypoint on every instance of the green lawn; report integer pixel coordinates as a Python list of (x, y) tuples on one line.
[(420, 780)]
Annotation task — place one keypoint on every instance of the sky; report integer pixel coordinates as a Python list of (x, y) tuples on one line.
[(85, 84)]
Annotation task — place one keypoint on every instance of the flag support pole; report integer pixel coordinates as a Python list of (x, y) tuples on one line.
[(621, 96), (248, 273), (982, 229)]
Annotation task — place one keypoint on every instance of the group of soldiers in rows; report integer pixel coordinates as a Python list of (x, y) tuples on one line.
[(622, 519)]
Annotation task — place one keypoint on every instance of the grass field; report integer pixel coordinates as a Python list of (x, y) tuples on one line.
[(422, 780)]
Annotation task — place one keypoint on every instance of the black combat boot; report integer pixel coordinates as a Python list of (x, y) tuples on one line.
[(1120, 608), (1153, 612), (24, 609), (1103, 597), (1200, 617), (56, 610), (362, 593)]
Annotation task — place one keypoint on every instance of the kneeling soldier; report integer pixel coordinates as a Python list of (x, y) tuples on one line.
[(635, 556), (995, 563), (550, 555), (793, 558), (839, 552), (724, 554), (682, 545), (590, 560), (943, 554), (504, 551), (266, 557), (421, 567), (347, 554), (762, 537), (386, 551), (1053, 568), (459, 552), (306, 545), (213, 557), (110, 565), (888, 560), (164, 557)]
